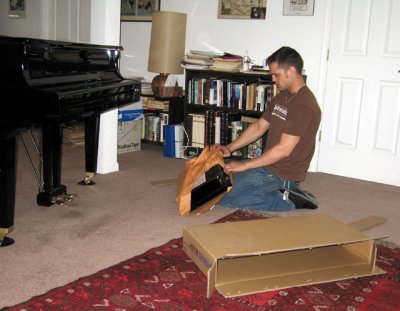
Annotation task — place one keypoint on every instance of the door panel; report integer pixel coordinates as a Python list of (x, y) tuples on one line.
[(361, 111)]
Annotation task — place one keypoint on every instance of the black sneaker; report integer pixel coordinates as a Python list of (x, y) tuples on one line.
[(301, 198)]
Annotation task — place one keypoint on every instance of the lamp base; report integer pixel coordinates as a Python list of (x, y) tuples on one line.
[(158, 81)]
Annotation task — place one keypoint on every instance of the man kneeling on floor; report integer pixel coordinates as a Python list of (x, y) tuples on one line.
[(271, 181)]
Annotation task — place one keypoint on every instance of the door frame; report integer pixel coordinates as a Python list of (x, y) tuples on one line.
[(323, 73)]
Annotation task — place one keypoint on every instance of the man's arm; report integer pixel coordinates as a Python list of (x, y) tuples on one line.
[(280, 151)]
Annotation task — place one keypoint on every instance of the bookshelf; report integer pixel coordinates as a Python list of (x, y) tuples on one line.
[(219, 105), (159, 111)]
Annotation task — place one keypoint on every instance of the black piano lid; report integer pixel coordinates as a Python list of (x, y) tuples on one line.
[(48, 61), (37, 41), (45, 77)]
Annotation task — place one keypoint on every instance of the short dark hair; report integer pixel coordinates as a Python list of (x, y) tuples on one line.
[(286, 57)]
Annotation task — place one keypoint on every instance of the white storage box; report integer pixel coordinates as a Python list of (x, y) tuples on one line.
[(129, 127)]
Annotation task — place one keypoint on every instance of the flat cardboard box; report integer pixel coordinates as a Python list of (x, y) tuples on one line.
[(130, 127), (247, 257)]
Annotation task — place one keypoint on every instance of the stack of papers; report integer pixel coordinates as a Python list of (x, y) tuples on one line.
[(228, 62), (196, 59)]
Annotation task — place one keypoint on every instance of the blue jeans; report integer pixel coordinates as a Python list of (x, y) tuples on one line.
[(258, 189)]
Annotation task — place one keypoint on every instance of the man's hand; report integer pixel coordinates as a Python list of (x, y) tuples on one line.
[(226, 153), (235, 167)]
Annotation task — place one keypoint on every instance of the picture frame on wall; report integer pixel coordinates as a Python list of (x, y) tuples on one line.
[(138, 10), (298, 7), (242, 9), (16, 9)]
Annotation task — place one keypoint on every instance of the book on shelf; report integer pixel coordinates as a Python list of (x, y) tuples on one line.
[(152, 123), (195, 66), (250, 98), (237, 129), (164, 120), (228, 63), (155, 129), (210, 54), (196, 59), (197, 129), (254, 149), (152, 103), (226, 126), (147, 132), (191, 55), (231, 57), (209, 133), (188, 59), (152, 126), (217, 127), (189, 129), (222, 66), (143, 132), (145, 88)]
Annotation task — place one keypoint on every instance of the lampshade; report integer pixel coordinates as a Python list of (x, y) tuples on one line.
[(167, 44)]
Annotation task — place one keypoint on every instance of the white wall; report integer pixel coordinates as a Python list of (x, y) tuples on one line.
[(206, 32), (105, 17)]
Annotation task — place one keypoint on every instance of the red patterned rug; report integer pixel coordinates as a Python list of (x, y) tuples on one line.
[(164, 278)]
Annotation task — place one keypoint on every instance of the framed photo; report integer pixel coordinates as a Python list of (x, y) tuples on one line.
[(138, 10), (242, 9), (298, 7), (16, 9)]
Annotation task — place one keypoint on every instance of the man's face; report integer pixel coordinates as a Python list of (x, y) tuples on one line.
[(281, 77)]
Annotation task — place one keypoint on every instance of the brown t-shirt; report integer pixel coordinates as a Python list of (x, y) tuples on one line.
[(297, 115)]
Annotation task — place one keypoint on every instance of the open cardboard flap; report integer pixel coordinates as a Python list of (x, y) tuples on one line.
[(254, 256)]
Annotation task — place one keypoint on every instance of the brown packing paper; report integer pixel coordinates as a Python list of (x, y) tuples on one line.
[(194, 169)]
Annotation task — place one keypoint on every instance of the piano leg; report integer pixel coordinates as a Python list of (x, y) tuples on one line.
[(92, 128), (53, 190), (7, 186)]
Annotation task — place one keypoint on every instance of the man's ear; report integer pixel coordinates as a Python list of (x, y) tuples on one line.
[(292, 70)]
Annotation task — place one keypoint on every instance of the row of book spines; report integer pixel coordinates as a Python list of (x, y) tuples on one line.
[(231, 94), (251, 97), (152, 126), (222, 128), (201, 132)]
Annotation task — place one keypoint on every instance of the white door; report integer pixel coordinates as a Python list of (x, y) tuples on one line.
[(361, 110)]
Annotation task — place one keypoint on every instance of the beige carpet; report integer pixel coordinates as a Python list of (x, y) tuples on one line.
[(124, 215)]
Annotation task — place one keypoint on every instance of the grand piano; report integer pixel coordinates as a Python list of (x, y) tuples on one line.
[(51, 83)]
